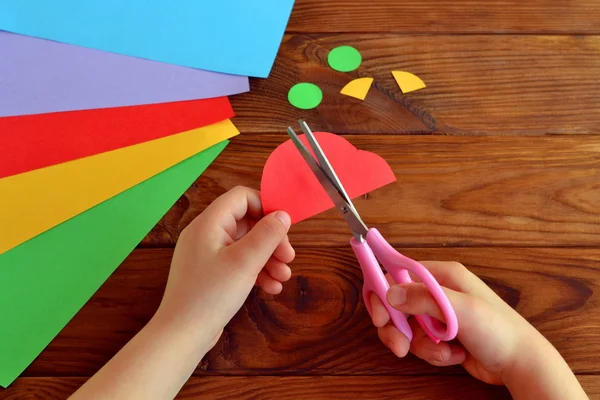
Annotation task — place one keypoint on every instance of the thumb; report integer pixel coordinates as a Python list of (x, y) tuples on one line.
[(257, 246)]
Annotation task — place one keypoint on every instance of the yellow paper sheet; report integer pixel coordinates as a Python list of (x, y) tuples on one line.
[(33, 202), (408, 82), (357, 88)]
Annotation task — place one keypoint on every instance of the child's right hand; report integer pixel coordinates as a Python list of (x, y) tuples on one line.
[(490, 331), (495, 344)]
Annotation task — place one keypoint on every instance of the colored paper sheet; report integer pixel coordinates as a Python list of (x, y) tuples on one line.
[(237, 36), (357, 88), (33, 202), (289, 184), (37, 141), (41, 76), (45, 282), (408, 82)]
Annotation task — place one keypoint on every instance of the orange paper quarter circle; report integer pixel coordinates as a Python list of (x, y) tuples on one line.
[(408, 82), (288, 183), (357, 88)]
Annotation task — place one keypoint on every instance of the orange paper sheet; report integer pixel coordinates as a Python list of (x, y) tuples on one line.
[(33, 202)]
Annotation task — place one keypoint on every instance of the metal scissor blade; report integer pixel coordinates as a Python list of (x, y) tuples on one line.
[(339, 198), (324, 162)]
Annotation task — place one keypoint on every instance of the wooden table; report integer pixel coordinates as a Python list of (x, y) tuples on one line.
[(498, 167)]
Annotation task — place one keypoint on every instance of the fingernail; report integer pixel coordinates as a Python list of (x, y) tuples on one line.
[(459, 354), (456, 351), (397, 295), (284, 218)]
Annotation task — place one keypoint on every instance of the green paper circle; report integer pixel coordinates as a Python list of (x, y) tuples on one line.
[(344, 58), (305, 96)]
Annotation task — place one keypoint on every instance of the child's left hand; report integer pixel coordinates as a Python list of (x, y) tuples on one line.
[(219, 257)]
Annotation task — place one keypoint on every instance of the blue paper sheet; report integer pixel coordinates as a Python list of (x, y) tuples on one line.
[(238, 37)]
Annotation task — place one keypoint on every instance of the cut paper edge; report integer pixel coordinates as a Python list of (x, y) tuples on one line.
[(76, 186), (357, 88), (288, 183), (46, 281), (408, 82)]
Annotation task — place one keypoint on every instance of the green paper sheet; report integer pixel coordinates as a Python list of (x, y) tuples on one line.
[(46, 280)]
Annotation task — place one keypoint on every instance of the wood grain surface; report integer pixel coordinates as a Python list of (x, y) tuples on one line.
[(477, 85), (450, 191), (294, 388), (498, 167), (319, 326), (310, 387), (449, 16)]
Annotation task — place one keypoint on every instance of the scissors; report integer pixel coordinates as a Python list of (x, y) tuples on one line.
[(371, 248)]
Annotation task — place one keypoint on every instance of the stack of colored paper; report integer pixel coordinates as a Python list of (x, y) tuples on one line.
[(109, 111)]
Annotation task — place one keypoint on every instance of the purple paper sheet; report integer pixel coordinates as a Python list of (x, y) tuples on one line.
[(41, 76)]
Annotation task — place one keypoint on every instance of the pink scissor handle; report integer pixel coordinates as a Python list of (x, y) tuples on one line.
[(374, 281), (398, 266)]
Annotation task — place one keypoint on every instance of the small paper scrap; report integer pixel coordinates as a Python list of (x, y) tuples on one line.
[(344, 58), (305, 96), (288, 183), (408, 82), (357, 88)]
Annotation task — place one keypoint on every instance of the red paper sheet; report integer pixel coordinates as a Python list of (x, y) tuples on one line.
[(36, 141), (288, 183)]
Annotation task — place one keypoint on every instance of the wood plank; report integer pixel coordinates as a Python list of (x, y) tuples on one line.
[(477, 85), (319, 326), (293, 388), (449, 16), (450, 191)]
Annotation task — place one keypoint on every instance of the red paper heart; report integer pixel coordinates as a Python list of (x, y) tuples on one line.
[(288, 183), (36, 141)]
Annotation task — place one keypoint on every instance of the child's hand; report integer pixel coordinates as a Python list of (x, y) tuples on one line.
[(496, 344), (220, 256), (489, 330)]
